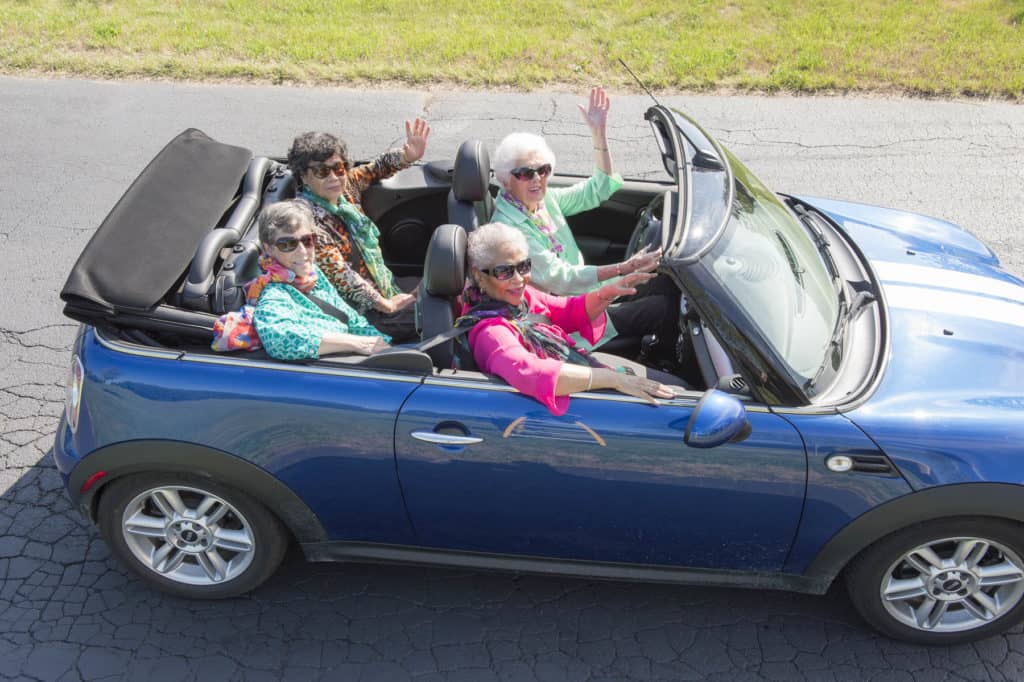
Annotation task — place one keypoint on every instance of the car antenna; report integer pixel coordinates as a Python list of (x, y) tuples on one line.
[(639, 81)]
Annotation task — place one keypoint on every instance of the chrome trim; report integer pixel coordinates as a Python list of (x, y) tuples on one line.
[(445, 438), (120, 346)]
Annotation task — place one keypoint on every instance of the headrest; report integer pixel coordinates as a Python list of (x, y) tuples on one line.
[(471, 175), (281, 186), (444, 271)]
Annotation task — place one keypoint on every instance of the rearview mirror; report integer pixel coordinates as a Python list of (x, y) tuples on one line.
[(716, 419)]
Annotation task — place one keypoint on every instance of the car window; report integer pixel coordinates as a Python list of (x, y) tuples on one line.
[(769, 264)]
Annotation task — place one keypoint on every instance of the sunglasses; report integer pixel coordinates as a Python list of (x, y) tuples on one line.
[(507, 270), (527, 173), (323, 170), (289, 244)]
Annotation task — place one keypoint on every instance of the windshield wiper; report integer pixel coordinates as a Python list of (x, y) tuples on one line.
[(794, 265), (810, 219), (848, 312)]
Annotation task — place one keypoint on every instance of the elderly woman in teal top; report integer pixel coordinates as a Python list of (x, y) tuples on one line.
[(522, 164), (290, 324)]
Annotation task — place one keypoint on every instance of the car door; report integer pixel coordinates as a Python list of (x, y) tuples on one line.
[(486, 469)]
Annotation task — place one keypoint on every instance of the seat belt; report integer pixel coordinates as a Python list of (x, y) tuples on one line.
[(328, 308), (446, 335), (438, 339)]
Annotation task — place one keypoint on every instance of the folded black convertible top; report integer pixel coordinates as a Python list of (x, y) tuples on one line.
[(147, 241)]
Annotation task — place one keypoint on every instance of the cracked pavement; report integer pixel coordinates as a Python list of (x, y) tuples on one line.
[(69, 612)]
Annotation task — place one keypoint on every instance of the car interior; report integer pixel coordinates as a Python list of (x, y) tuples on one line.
[(424, 213)]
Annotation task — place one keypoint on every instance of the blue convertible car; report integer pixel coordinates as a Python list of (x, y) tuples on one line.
[(857, 412)]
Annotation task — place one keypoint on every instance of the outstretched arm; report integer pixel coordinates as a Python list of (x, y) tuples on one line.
[(596, 117)]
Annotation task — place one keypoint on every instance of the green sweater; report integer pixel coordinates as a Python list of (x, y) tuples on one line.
[(564, 274)]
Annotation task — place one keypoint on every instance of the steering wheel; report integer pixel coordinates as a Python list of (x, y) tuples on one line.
[(649, 229)]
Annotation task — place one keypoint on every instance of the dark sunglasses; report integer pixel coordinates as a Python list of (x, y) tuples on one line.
[(507, 270), (527, 173), (288, 244), (323, 170)]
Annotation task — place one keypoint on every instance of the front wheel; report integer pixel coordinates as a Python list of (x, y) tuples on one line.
[(191, 536), (942, 582)]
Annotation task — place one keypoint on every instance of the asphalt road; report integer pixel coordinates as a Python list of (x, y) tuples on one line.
[(68, 149)]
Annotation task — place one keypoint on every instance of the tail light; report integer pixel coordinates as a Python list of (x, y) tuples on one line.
[(73, 395)]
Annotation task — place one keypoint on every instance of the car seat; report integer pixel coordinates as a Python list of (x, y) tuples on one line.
[(470, 203), (444, 276)]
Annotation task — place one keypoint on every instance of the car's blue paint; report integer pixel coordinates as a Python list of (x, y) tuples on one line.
[(950, 405), (611, 480), (835, 499), (325, 436), (717, 419), (888, 233)]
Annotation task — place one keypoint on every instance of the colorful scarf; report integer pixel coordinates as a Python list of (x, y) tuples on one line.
[(539, 335), (366, 236), (539, 219), (237, 330)]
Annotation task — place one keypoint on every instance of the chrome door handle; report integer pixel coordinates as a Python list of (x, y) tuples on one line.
[(445, 439)]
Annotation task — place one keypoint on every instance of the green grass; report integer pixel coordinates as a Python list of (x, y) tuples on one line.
[(926, 47)]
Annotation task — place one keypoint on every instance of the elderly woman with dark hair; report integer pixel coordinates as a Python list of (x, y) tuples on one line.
[(348, 247), (522, 164), (522, 334), (292, 296)]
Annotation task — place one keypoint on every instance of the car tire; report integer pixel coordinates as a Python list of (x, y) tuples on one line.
[(943, 582), (191, 536)]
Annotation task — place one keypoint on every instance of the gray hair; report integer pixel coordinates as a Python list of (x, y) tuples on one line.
[(484, 241), (284, 216), (514, 149)]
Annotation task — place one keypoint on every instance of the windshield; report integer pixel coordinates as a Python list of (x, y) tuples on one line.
[(769, 263)]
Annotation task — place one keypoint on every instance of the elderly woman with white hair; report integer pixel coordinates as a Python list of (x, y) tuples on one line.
[(522, 334), (522, 164)]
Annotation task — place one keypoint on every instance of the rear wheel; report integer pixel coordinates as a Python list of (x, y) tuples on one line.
[(191, 536), (942, 582)]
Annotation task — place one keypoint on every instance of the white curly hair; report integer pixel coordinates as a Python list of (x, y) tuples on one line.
[(483, 243), (514, 149)]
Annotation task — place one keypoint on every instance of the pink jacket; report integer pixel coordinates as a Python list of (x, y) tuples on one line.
[(498, 348)]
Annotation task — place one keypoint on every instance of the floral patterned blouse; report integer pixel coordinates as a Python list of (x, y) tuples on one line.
[(336, 253)]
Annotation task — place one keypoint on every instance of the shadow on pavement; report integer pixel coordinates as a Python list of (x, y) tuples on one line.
[(69, 611)]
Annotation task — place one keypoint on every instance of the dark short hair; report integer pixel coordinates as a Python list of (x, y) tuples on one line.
[(311, 147)]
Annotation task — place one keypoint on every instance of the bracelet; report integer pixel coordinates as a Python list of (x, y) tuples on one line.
[(600, 149), (590, 379), (618, 269)]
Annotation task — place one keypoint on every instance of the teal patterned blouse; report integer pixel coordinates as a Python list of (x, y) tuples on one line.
[(291, 326)]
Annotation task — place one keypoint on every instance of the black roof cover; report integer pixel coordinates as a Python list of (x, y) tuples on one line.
[(148, 239)]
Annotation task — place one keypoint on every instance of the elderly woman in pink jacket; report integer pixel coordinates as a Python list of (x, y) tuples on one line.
[(521, 334)]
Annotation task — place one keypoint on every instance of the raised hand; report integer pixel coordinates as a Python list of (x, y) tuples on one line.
[(416, 135), (596, 112), (624, 286), (643, 260)]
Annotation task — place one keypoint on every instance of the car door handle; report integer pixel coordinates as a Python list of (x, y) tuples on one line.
[(445, 438)]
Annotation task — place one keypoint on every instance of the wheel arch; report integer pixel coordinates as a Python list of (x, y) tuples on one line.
[(162, 456), (995, 500)]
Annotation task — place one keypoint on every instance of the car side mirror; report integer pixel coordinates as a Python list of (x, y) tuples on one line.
[(717, 418)]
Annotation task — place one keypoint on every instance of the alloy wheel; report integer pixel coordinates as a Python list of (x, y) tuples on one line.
[(953, 584), (188, 535)]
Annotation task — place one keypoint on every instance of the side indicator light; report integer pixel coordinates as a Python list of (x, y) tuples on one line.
[(839, 463), (89, 482)]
